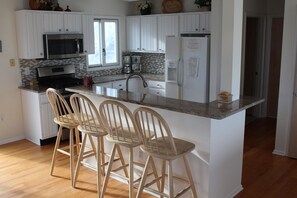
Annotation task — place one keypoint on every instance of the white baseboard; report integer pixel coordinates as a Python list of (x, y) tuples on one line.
[(235, 192), (279, 152), (13, 139)]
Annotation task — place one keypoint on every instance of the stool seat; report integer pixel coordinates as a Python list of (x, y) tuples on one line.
[(182, 147)]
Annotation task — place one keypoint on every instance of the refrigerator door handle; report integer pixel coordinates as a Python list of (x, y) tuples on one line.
[(180, 75)]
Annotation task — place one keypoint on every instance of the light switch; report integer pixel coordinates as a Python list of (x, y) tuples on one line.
[(0, 46)]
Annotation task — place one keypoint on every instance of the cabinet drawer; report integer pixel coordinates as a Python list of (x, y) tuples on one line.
[(158, 92), (121, 84), (156, 84)]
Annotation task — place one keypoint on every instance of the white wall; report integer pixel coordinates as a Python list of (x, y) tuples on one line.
[(288, 64), (10, 101)]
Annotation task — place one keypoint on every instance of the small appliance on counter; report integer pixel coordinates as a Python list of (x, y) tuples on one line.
[(136, 63), (127, 65)]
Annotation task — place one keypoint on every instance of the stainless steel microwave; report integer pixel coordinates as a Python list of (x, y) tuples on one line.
[(58, 46)]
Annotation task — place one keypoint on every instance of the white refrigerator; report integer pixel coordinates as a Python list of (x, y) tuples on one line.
[(187, 68)]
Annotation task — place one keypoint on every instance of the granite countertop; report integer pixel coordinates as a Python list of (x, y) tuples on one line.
[(100, 79), (212, 110)]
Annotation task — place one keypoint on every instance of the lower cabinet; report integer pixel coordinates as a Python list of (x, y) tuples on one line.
[(156, 87), (38, 117)]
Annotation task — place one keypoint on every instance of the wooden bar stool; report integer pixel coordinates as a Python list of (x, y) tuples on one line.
[(65, 118), (90, 124), (159, 143), (122, 131)]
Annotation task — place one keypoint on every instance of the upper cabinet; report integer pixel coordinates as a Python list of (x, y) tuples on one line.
[(198, 22), (30, 28), (148, 33), (88, 31), (167, 26), (133, 33), (62, 22)]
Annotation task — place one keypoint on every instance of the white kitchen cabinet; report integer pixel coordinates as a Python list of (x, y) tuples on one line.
[(149, 33), (53, 22), (198, 22), (73, 23), (30, 28), (133, 33), (88, 31), (156, 87), (205, 22), (119, 84), (57, 22), (168, 25), (38, 117)]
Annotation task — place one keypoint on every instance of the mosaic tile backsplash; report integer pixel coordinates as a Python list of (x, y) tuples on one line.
[(151, 63)]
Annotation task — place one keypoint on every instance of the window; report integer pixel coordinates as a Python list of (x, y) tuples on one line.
[(106, 38)]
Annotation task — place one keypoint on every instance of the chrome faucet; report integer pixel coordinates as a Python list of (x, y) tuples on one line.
[(135, 74)]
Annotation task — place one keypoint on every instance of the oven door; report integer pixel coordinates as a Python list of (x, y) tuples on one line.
[(58, 46)]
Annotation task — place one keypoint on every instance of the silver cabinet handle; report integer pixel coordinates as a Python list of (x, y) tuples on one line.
[(60, 30), (41, 54), (66, 30)]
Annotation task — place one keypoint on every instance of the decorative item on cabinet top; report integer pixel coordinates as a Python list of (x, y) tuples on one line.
[(44, 5), (172, 6), (203, 5), (145, 8)]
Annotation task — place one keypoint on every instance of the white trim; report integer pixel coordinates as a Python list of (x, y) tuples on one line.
[(235, 192), (260, 59), (103, 68), (13, 139), (279, 152)]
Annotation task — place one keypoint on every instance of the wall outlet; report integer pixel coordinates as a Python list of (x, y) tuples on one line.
[(12, 62), (81, 66)]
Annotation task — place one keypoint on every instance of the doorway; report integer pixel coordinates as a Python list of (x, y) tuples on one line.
[(253, 62)]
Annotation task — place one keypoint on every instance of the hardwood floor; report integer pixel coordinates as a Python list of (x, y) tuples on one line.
[(24, 170), (265, 174)]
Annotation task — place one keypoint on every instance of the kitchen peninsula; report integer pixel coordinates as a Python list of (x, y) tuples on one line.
[(216, 129)]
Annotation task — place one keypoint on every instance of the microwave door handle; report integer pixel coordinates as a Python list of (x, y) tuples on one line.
[(78, 46)]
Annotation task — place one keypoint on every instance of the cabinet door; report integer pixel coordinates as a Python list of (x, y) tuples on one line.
[(205, 22), (167, 26), (149, 33), (189, 23), (53, 22), (133, 33), (48, 127), (73, 23), (29, 32), (88, 31)]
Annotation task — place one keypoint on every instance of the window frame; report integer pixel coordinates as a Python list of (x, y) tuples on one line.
[(105, 66)]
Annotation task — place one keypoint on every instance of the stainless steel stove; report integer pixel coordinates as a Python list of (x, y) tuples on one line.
[(58, 77)]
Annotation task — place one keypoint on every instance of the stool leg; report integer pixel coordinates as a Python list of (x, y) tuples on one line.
[(102, 154), (108, 170), (71, 154), (80, 158), (170, 180), (55, 149), (194, 193), (77, 139), (98, 167), (155, 173), (131, 173), (122, 159), (163, 175), (143, 178)]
